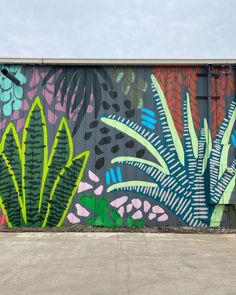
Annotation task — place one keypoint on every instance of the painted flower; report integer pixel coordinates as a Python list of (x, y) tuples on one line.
[(11, 94)]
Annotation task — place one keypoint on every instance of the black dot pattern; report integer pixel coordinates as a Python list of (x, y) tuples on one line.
[(115, 149), (105, 105), (99, 163), (104, 130), (105, 140), (98, 151), (93, 124), (87, 135), (119, 135), (140, 153), (116, 107), (130, 114), (127, 103), (129, 144)]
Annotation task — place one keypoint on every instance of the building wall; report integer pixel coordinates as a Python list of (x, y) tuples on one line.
[(117, 146)]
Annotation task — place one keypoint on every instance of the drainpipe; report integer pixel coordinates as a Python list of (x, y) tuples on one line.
[(209, 73)]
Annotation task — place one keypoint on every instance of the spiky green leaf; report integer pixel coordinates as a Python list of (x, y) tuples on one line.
[(64, 189), (34, 160), (10, 199), (61, 155)]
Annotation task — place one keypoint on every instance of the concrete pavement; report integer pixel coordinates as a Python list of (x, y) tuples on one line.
[(117, 263)]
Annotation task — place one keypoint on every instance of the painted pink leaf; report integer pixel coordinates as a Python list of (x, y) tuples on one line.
[(121, 211), (48, 96), (90, 109), (52, 118), (35, 79), (60, 108), (50, 87), (137, 215), (84, 186), (163, 217), (2, 124), (146, 206), (93, 176), (157, 209), (20, 123), (136, 203), (51, 80), (91, 97), (31, 94), (98, 191), (43, 74), (25, 105), (58, 97), (151, 216), (73, 116), (15, 115), (129, 207), (81, 211), (72, 218), (119, 202)]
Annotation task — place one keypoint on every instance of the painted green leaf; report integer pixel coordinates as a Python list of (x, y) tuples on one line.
[(119, 74), (61, 155), (9, 197), (135, 223), (125, 87), (64, 190), (11, 149), (134, 96), (166, 117), (116, 218), (124, 126), (100, 208), (141, 85), (130, 75), (34, 159)]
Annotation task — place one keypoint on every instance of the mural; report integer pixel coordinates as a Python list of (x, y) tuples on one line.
[(116, 146)]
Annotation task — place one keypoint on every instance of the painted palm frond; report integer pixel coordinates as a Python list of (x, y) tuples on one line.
[(76, 85), (35, 190), (178, 180)]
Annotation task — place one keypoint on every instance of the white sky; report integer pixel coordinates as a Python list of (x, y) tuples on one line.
[(118, 28)]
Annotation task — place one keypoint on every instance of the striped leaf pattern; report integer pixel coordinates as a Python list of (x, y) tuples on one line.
[(221, 139), (35, 191), (9, 194), (66, 185), (34, 158), (61, 155), (11, 149), (182, 186)]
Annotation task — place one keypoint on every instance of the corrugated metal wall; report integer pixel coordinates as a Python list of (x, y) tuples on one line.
[(117, 145)]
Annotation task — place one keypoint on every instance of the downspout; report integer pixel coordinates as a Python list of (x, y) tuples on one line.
[(209, 73)]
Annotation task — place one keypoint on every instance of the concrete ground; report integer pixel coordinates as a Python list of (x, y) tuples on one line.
[(117, 263)]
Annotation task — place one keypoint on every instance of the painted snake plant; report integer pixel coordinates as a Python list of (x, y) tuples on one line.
[(35, 190), (188, 178)]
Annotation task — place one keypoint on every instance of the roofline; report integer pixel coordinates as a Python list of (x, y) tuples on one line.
[(117, 61)]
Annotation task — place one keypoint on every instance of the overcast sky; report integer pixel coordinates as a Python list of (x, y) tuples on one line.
[(118, 28)]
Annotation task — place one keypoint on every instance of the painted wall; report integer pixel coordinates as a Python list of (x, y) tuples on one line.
[(116, 146)]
